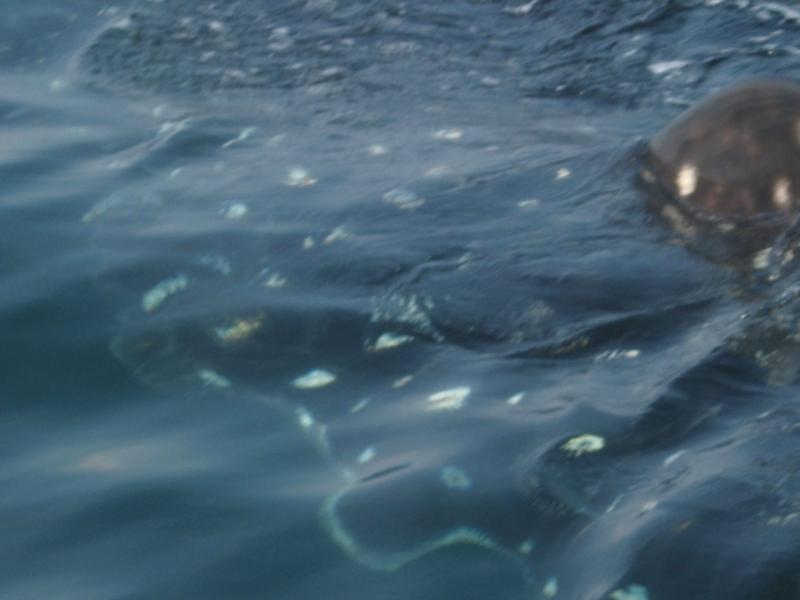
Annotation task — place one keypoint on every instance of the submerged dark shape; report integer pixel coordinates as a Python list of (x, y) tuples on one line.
[(730, 166)]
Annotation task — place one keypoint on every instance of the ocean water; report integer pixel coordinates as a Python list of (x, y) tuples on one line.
[(357, 300)]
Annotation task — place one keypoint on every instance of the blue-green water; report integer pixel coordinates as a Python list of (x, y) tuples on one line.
[(359, 300)]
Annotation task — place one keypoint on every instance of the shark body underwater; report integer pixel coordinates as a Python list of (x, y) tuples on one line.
[(556, 493), (726, 170)]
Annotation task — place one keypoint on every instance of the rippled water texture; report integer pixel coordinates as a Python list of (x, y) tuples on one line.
[(360, 299)]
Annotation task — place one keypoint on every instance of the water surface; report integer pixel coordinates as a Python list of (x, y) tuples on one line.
[(361, 300)]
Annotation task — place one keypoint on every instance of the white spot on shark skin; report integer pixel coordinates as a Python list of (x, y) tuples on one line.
[(123, 23), (308, 243), (667, 66), (527, 546), (387, 341), (452, 399), (521, 9), (787, 256), (761, 258), (238, 331), (339, 233), (516, 399), (304, 418), (633, 592), (101, 207), (583, 444), (686, 180), (216, 26), (213, 379), (726, 227), (153, 299), (550, 589), (529, 204), (402, 382), (169, 128), (649, 506), (456, 478), (403, 199), (677, 221), (299, 177), (673, 457), (279, 39), (216, 263), (246, 133), (464, 261), (377, 150), (563, 173), (316, 378), (275, 281), (612, 507), (782, 193), (360, 405), (234, 210), (438, 171), (316, 432), (779, 521), (617, 354), (450, 135), (367, 455), (414, 310), (108, 11)]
